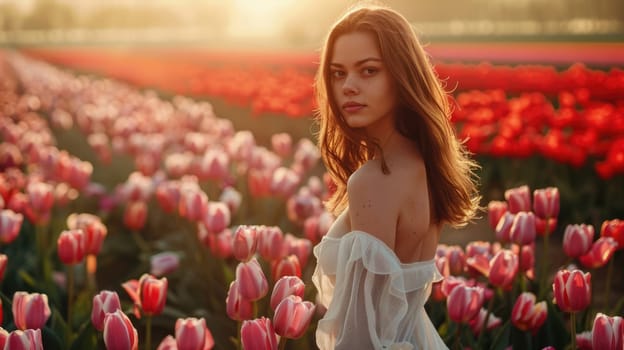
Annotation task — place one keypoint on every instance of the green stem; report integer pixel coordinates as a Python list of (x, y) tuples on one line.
[(573, 329), (545, 259), (608, 287), (148, 332), (282, 343), (70, 300)]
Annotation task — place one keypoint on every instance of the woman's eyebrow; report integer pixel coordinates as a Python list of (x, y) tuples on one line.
[(358, 63)]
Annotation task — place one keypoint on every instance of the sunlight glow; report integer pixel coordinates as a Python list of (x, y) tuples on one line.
[(259, 18)]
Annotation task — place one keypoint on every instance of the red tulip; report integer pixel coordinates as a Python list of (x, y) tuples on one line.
[(119, 333), (29, 339), (168, 343), (213, 165), (217, 217), (148, 294), (584, 340), (476, 324), (270, 242), (71, 246), (192, 334), (287, 266), (135, 215), (30, 310), (285, 286), (252, 283), (572, 290), (600, 253), (94, 230), (40, 201), (614, 228), (237, 307), (523, 228), (503, 268), (546, 202), (518, 199), (4, 336), (527, 315), (220, 244), (464, 303), (103, 303), (608, 332), (478, 264), (496, 210), (3, 265), (503, 228), (245, 242), (577, 239), (292, 317), (193, 203), (258, 334), (10, 225), (164, 263), (544, 226)]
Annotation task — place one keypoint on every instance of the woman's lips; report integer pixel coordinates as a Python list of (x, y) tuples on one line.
[(352, 107)]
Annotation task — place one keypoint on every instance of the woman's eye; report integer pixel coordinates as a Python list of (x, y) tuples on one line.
[(370, 71), (337, 74)]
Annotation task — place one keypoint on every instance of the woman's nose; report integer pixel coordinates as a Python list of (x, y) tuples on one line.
[(349, 87)]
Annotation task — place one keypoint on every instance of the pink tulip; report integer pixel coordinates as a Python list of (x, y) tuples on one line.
[(546, 202), (518, 199), (220, 244), (103, 303), (464, 303), (10, 225), (600, 253), (29, 339), (213, 165), (245, 242), (149, 294), (94, 230), (119, 333), (282, 144), (237, 307), (287, 266), (523, 228), (478, 264), (527, 315), (503, 269), (479, 248), (577, 239), (584, 341), (192, 334), (608, 332), (164, 263), (284, 182), (168, 195), (193, 203), (3, 265), (301, 247), (259, 182), (4, 335), (168, 343), (217, 217), (30, 310), (572, 290), (270, 242), (285, 286), (503, 228), (496, 210), (476, 324), (258, 334), (451, 282), (232, 198), (544, 226), (292, 317), (456, 259), (135, 215), (306, 154), (252, 282), (442, 265), (71, 246), (613, 228), (40, 200)]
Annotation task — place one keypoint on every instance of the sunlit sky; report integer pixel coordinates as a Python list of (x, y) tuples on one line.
[(258, 17)]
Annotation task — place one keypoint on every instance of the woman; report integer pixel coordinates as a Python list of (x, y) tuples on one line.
[(400, 174)]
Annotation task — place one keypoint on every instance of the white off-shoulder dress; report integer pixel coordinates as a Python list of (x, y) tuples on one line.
[(373, 300)]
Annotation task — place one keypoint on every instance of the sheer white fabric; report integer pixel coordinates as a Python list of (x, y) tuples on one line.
[(373, 300)]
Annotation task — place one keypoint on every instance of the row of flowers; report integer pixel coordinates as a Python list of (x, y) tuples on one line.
[(212, 202), (501, 110)]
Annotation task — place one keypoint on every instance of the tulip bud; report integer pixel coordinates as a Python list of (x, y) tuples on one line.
[(577, 239), (164, 263), (615, 229), (168, 343), (232, 198), (496, 210), (237, 307), (258, 334), (287, 266), (523, 228), (464, 303), (292, 317), (29, 339), (3, 265), (476, 324), (583, 341), (119, 333), (281, 144), (245, 242), (103, 303), (301, 247), (252, 283), (191, 334), (4, 335), (217, 217), (10, 225), (30, 311), (527, 315), (71, 246), (503, 268), (193, 204), (153, 293), (518, 199), (135, 215), (546, 202), (572, 290), (220, 244), (608, 332), (270, 242), (503, 228), (285, 286), (456, 259), (600, 253)]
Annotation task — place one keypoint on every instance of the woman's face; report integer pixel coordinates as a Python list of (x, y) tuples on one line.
[(361, 85)]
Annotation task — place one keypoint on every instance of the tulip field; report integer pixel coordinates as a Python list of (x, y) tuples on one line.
[(172, 201)]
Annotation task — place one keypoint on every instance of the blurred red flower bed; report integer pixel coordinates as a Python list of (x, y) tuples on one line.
[(572, 115)]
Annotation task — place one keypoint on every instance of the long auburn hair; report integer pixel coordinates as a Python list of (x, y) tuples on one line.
[(423, 116)]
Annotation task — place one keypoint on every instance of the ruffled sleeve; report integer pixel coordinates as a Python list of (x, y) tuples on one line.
[(372, 293)]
